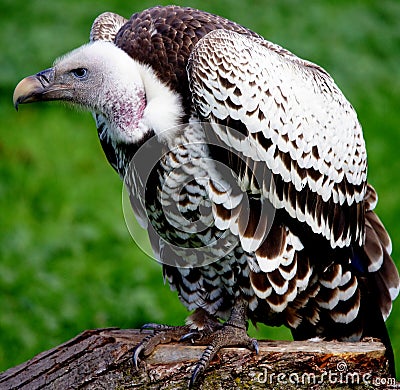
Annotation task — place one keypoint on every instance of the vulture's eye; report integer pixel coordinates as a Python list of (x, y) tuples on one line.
[(80, 73)]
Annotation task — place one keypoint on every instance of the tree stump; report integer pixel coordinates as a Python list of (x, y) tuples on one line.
[(101, 359)]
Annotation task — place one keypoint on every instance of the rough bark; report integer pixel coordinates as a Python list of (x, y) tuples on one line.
[(101, 359)]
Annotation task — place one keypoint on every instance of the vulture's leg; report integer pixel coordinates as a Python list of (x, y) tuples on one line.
[(198, 325), (232, 333)]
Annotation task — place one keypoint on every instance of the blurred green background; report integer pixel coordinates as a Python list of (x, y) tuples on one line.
[(67, 261)]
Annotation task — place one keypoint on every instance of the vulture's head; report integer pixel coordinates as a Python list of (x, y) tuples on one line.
[(102, 78)]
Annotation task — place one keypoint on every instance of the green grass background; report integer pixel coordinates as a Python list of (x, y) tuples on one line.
[(67, 261)]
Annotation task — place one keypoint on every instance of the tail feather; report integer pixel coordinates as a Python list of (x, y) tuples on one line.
[(347, 313), (383, 281), (378, 248), (373, 318)]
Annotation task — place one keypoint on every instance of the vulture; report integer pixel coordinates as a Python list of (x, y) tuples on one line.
[(248, 168)]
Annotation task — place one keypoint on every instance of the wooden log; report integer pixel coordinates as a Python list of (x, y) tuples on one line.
[(101, 359)]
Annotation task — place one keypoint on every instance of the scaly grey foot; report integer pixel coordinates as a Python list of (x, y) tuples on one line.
[(204, 329), (198, 325), (162, 334)]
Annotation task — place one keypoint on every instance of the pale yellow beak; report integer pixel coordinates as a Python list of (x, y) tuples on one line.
[(35, 88)]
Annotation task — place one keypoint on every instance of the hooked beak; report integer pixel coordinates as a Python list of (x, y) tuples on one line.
[(35, 88)]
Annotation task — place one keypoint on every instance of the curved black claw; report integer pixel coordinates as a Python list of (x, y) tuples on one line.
[(192, 336), (202, 364), (135, 355), (255, 347)]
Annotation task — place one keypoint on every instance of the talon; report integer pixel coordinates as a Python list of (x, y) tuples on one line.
[(191, 336), (196, 373), (204, 361), (135, 356), (255, 346)]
